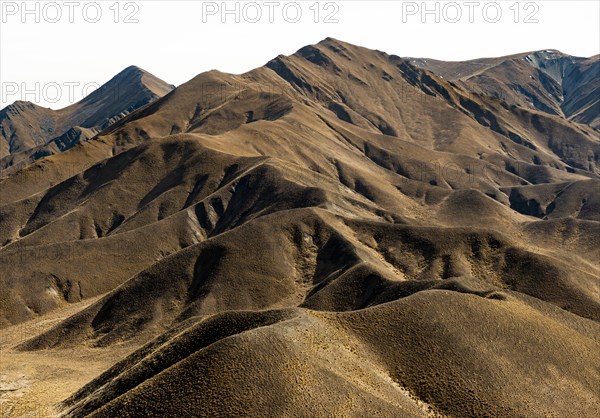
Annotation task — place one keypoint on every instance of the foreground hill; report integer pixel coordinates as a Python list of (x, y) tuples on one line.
[(338, 232)]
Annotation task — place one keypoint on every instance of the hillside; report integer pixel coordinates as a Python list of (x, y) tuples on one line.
[(336, 233)]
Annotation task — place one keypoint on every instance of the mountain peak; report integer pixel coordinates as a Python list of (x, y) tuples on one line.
[(550, 54), (132, 70), (19, 104), (129, 74), (329, 40), (27, 126), (130, 82)]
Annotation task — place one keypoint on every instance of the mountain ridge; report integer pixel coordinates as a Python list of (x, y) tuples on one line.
[(556, 87)]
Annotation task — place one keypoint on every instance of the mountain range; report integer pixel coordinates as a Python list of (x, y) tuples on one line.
[(29, 132), (341, 232)]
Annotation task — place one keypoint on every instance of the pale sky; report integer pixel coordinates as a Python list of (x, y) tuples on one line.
[(68, 54)]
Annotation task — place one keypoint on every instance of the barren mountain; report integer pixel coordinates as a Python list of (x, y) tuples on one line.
[(548, 80), (336, 233), (29, 132)]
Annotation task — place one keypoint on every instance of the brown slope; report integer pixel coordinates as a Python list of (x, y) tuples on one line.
[(426, 352), (558, 200), (324, 263), (73, 210), (289, 356), (210, 90), (418, 106), (335, 179)]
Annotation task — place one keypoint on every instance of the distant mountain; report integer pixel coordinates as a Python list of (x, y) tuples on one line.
[(29, 132), (547, 80)]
